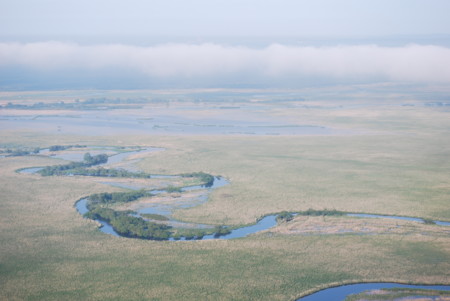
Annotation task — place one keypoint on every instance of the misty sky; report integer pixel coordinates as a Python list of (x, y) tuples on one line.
[(188, 41), (224, 17)]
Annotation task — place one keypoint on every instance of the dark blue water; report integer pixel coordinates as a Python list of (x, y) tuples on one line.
[(339, 293)]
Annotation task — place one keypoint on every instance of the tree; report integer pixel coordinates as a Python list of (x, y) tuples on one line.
[(221, 231), (87, 157), (285, 216)]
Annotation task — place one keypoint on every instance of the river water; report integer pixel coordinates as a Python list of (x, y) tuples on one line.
[(339, 293)]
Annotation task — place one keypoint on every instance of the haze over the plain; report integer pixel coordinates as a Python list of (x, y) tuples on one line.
[(150, 44)]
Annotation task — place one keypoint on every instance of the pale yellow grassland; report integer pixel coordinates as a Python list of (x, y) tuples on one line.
[(49, 252), (308, 225), (166, 198), (377, 174)]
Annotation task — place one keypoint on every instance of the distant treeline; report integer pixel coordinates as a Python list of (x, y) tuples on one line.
[(17, 152), (89, 104), (25, 151)]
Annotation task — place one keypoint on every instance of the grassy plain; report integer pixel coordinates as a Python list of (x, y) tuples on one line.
[(395, 161)]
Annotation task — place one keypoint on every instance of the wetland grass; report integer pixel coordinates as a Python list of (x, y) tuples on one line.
[(49, 252), (75, 260)]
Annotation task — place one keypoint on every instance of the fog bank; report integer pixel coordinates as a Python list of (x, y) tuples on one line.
[(214, 62)]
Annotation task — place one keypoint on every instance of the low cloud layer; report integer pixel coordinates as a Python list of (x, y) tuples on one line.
[(413, 63)]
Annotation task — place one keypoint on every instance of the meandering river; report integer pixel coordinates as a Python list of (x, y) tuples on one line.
[(166, 209)]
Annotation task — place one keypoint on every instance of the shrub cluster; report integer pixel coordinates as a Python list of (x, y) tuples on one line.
[(117, 197), (55, 148), (207, 179), (130, 226), (20, 152), (107, 172), (285, 217), (324, 212)]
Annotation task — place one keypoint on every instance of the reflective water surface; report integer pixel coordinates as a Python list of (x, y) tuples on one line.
[(339, 293)]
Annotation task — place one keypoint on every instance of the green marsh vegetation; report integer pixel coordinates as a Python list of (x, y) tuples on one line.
[(73, 166), (205, 178), (83, 169), (396, 164), (127, 224), (154, 216)]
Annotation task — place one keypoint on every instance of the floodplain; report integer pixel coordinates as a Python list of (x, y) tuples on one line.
[(360, 149)]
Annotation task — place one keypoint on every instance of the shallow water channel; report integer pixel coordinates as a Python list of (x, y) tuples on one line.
[(339, 293)]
